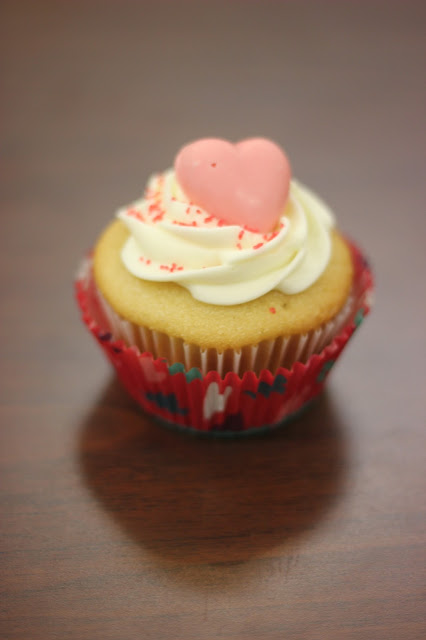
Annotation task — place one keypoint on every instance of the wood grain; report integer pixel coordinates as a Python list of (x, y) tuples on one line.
[(111, 526)]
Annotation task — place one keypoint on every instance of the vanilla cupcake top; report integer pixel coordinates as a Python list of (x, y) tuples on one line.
[(228, 224)]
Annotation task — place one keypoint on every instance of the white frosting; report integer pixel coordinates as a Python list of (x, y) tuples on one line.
[(173, 240)]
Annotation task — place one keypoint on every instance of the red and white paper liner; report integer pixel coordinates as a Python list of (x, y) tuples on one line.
[(208, 401)]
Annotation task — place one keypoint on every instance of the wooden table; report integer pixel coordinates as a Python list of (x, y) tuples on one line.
[(113, 527)]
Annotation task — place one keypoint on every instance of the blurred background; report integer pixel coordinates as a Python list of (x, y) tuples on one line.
[(98, 94), (95, 96)]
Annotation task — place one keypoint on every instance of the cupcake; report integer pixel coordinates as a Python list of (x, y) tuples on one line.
[(225, 294)]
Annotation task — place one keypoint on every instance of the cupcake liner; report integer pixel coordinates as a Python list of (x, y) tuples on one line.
[(209, 392)]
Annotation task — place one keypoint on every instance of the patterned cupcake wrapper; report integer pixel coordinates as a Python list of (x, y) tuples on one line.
[(222, 400)]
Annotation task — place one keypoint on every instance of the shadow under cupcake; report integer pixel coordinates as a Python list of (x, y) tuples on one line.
[(192, 501)]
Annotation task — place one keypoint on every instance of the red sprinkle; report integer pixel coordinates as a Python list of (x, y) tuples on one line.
[(250, 230), (257, 246), (173, 267), (134, 213), (272, 309), (213, 164), (188, 210), (239, 245), (271, 236), (209, 219), (240, 235)]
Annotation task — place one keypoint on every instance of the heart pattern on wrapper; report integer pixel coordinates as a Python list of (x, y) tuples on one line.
[(245, 184)]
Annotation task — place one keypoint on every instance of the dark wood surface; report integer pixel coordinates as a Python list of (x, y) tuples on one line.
[(111, 526)]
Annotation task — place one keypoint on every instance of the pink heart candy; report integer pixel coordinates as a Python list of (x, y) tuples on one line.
[(245, 183)]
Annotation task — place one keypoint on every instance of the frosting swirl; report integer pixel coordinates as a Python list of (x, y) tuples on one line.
[(174, 240)]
